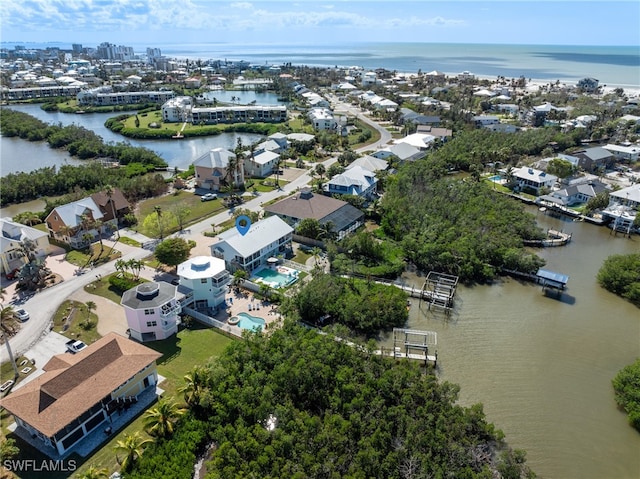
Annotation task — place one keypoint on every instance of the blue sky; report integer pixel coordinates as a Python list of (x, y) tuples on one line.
[(147, 22)]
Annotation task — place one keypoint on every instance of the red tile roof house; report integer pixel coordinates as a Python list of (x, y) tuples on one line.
[(58, 410)]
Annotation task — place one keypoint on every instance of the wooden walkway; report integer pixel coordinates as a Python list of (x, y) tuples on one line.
[(412, 344)]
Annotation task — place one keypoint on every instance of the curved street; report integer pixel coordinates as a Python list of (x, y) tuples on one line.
[(43, 305)]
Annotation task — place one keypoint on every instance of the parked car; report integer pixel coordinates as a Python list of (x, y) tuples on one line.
[(21, 315), (208, 197), (75, 346), (11, 275)]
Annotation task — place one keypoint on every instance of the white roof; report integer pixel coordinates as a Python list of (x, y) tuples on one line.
[(418, 140), (356, 175), (526, 173), (631, 193), (260, 235), (215, 158), (264, 157), (71, 213), (369, 162), (10, 232), (300, 137), (201, 267), (622, 149)]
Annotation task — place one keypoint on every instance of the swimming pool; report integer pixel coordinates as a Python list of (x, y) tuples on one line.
[(495, 178), (276, 278), (251, 323)]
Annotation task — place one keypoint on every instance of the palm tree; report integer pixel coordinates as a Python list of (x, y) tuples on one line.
[(158, 211), (194, 385), (316, 252), (132, 447), (135, 265), (277, 165), (90, 307), (93, 473), (6, 315), (160, 420)]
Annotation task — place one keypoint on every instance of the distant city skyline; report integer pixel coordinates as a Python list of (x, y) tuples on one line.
[(151, 22)]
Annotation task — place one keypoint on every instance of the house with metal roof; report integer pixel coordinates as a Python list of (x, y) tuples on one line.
[(356, 181), (75, 223), (212, 169), (12, 238), (343, 217), (77, 393), (261, 163), (270, 237), (402, 151), (592, 159), (530, 178)]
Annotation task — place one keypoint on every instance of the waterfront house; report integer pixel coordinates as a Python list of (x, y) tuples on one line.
[(113, 205), (12, 239), (624, 206), (343, 217), (268, 238), (212, 169), (527, 178), (575, 194), (77, 393), (356, 181), (206, 278), (151, 310)]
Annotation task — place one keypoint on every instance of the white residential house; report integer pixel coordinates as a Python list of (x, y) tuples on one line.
[(354, 181), (485, 120), (207, 278), (624, 153), (624, 206), (151, 310), (261, 164), (402, 151), (575, 194), (369, 78), (422, 141), (530, 178), (12, 237), (370, 163), (322, 119), (212, 169), (268, 238)]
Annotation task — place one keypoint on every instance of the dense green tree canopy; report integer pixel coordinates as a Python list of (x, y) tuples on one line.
[(620, 274), (457, 227), (363, 306), (297, 404), (626, 385), (173, 251)]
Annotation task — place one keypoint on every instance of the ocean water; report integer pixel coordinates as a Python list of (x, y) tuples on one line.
[(612, 65)]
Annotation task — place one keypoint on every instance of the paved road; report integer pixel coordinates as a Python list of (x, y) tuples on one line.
[(43, 305)]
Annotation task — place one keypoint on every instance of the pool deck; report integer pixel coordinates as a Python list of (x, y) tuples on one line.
[(239, 301)]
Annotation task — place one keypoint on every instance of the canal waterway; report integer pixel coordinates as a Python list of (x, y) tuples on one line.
[(20, 155), (542, 367)]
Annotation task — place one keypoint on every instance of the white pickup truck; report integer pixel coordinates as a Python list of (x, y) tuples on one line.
[(75, 345)]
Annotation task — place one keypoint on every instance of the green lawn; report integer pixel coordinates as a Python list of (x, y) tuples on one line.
[(129, 241), (80, 325), (82, 259), (301, 257), (197, 209), (102, 287)]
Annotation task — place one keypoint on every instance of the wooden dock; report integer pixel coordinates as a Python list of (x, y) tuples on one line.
[(554, 238), (412, 344)]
